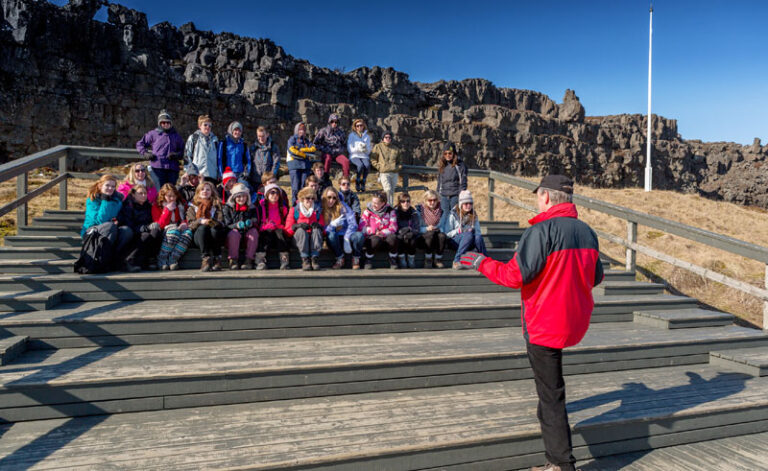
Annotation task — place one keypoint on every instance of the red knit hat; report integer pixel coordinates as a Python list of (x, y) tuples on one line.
[(228, 175)]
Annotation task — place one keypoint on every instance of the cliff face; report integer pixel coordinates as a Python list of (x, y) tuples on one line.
[(69, 79)]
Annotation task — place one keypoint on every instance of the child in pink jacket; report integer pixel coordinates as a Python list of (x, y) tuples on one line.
[(378, 223)]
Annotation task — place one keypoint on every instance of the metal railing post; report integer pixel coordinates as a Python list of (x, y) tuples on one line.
[(491, 188), (21, 190), (63, 190), (631, 253)]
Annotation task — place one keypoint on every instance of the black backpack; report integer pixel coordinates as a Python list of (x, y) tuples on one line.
[(96, 254)]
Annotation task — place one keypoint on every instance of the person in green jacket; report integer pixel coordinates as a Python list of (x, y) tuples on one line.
[(386, 158)]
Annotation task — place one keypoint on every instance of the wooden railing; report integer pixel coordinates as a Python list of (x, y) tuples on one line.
[(633, 220), (64, 155)]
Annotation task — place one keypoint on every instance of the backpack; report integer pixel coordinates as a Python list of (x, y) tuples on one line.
[(96, 254)]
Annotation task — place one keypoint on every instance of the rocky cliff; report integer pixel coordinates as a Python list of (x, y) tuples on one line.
[(67, 78)]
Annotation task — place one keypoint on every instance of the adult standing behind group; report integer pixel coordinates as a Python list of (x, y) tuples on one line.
[(451, 177), (556, 265), (359, 147), (299, 158), (201, 151), (386, 158), (331, 141), (233, 153), (265, 158), (164, 148)]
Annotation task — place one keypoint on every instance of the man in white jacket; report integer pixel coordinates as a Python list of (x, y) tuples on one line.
[(200, 150)]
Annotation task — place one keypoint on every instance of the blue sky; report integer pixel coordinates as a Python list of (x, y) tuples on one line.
[(710, 62)]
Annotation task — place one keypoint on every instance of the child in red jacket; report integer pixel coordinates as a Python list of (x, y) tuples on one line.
[(168, 216), (305, 224)]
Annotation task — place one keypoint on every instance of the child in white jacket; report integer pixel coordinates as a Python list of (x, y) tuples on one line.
[(359, 147)]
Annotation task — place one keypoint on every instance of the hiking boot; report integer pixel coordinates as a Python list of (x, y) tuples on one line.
[(152, 265), (392, 263), (411, 261), (249, 264), (165, 267), (427, 260), (306, 265), (205, 265), (355, 263), (550, 467), (338, 264), (284, 261), (315, 263), (233, 264), (261, 261), (368, 264), (439, 262), (216, 264), (401, 260)]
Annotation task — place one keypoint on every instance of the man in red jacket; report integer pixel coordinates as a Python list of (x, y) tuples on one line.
[(556, 266)]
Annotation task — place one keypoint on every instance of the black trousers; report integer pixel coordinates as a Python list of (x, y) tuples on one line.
[(145, 245), (547, 365), (373, 244), (407, 242), (210, 239), (272, 239), (434, 242)]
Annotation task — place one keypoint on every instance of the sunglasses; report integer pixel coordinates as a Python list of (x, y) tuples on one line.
[(405, 201), (308, 199), (432, 200), (206, 125), (344, 184), (139, 169), (331, 198), (359, 125)]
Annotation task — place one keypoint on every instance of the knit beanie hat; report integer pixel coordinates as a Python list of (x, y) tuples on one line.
[(450, 146), (227, 176), (234, 125), (333, 117), (465, 197), (239, 189), (271, 187), (164, 116), (192, 170), (387, 133)]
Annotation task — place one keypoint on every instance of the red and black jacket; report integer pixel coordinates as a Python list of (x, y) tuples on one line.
[(556, 266)]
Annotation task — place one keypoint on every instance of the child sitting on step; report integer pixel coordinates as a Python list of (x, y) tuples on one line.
[(341, 231), (189, 182), (433, 239), (168, 217), (136, 213), (408, 231), (273, 236), (205, 218), (349, 197), (463, 228), (305, 224), (379, 225), (102, 207), (242, 219)]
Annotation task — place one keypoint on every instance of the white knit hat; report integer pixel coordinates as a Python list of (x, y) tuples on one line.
[(465, 197)]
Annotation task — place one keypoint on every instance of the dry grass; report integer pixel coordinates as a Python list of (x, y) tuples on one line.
[(745, 223)]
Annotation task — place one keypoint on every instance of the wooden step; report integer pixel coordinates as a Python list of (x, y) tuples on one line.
[(215, 373), (683, 318), (58, 220), (8, 253), (486, 426), (72, 230), (11, 348), (64, 212), (628, 288), (26, 300), (752, 361), (206, 320), (43, 241)]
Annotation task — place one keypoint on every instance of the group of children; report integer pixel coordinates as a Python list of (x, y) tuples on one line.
[(228, 198)]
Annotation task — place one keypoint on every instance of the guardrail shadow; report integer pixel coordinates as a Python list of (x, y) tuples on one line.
[(634, 416)]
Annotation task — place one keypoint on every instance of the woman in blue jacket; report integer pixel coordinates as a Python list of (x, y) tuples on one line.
[(233, 153), (341, 233), (101, 209)]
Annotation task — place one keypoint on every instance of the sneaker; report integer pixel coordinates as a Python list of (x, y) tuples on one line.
[(174, 266), (249, 264), (216, 264), (306, 265), (205, 265), (338, 264), (233, 264), (548, 467), (457, 266), (165, 267), (355, 263), (315, 261), (439, 263), (261, 261)]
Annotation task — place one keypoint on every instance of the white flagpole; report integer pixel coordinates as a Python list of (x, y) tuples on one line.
[(648, 171)]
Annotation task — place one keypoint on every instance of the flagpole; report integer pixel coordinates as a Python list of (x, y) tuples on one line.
[(649, 136)]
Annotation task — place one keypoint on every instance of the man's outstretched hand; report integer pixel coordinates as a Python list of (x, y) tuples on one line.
[(471, 260)]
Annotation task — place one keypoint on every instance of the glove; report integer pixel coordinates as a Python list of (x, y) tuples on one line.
[(472, 260), (240, 225), (347, 246), (143, 228), (316, 225), (249, 223), (175, 156), (337, 222), (305, 226), (154, 226)]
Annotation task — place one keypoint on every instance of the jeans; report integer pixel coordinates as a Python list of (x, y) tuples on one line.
[(165, 175), (298, 177), (468, 241), (362, 166), (308, 244), (335, 242), (340, 158), (448, 202), (388, 183), (547, 365)]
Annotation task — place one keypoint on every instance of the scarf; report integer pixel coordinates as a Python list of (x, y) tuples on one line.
[(468, 219), (386, 209), (141, 182), (307, 213), (204, 209), (241, 207), (432, 216)]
